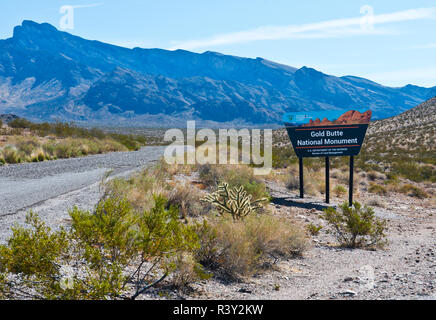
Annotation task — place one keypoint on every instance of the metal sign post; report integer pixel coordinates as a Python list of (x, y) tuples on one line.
[(301, 177), (350, 186), (327, 180)]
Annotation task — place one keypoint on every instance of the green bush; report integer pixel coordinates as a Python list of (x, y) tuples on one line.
[(111, 253), (413, 191), (377, 189), (356, 226), (415, 171), (339, 190), (313, 229), (11, 155), (20, 123), (283, 157)]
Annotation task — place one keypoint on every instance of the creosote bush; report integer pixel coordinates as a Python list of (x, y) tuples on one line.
[(377, 189), (313, 229), (339, 191), (413, 191), (112, 253), (356, 226)]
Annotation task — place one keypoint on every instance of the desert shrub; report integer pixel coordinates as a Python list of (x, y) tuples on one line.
[(64, 150), (276, 237), (356, 226), (187, 199), (377, 189), (339, 191), (187, 270), (27, 146), (293, 182), (413, 191), (339, 175), (156, 180), (234, 176), (139, 190), (256, 189), (209, 174), (131, 142), (72, 141), (283, 157), (11, 155), (414, 171), (111, 253), (376, 202), (20, 123), (373, 175), (313, 229), (239, 248), (234, 202), (37, 155)]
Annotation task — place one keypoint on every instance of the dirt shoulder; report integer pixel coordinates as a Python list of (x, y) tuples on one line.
[(405, 269)]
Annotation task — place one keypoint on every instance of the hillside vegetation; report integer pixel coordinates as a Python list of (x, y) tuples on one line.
[(24, 141)]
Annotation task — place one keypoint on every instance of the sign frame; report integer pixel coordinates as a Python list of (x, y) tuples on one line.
[(339, 133)]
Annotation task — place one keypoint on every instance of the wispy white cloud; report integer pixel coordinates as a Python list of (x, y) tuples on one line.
[(425, 46), (91, 5), (363, 25)]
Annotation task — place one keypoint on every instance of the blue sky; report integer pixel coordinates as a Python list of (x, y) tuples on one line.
[(391, 42)]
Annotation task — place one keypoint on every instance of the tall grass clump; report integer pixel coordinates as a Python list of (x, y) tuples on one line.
[(235, 249), (11, 155)]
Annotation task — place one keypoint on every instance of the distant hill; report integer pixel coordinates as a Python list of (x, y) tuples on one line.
[(46, 74), (8, 117), (421, 116), (413, 131)]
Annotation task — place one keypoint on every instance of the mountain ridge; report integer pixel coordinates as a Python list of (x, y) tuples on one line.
[(46, 74)]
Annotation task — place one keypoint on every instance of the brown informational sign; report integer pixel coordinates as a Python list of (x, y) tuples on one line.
[(327, 133)]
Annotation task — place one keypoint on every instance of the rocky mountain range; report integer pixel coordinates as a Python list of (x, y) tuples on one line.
[(46, 74)]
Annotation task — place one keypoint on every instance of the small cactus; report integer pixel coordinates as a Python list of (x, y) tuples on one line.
[(235, 202)]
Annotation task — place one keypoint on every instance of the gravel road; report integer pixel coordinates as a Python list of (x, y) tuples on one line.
[(50, 188)]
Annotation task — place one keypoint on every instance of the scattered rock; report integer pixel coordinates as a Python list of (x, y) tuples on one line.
[(245, 290), (350, 293)]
